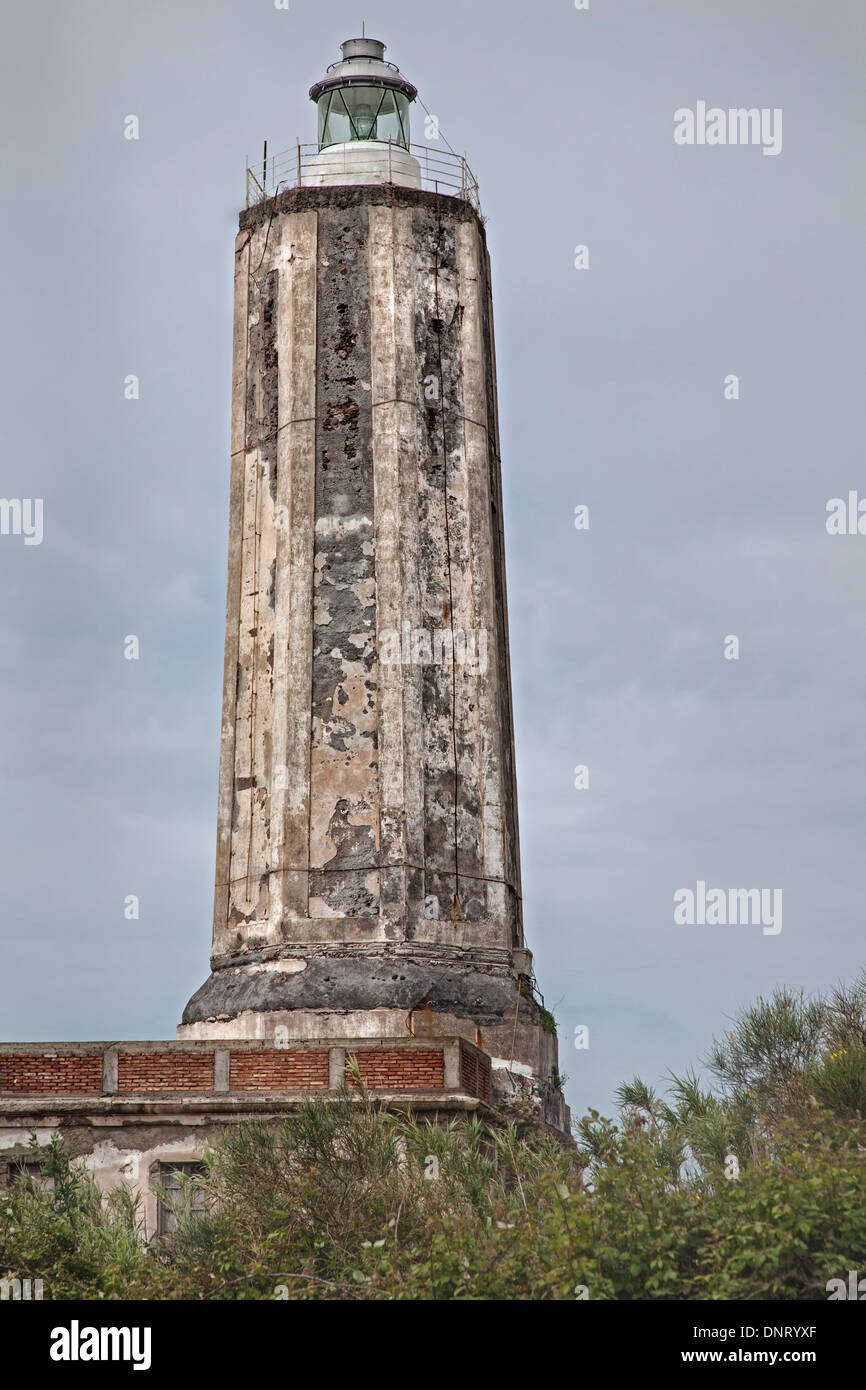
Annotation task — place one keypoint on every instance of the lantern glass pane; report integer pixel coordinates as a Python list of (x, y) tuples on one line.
[(393, 119), (324, 107), (363, 113)]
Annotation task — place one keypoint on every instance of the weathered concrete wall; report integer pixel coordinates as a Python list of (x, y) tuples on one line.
[(367, 847), (364, 799), (344, 765)]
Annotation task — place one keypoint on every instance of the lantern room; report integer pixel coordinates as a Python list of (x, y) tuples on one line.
[(363, 104)]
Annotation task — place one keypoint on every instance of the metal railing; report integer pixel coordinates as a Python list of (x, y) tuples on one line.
[(441, 171)]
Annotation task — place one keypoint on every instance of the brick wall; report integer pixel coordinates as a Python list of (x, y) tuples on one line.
[(401, 1067), (272, 1069), (164, 1071), (279, 1070), (62, 1075), (475, 1073)]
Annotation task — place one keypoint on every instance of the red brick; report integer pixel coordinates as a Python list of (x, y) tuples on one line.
[(475, 1073), (164, 1071), (279, 1070), (401, 1067), (62, 1074)]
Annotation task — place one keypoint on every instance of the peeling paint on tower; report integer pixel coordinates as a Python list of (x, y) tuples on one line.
[(344, 771)]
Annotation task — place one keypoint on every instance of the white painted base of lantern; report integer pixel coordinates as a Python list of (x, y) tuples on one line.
[(362, 162)]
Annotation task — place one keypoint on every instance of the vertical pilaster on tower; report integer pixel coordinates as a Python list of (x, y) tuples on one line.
[(368, 880)]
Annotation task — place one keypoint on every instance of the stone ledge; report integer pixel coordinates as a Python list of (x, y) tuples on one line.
[(392, 195), (100, 1110), (484, 993)]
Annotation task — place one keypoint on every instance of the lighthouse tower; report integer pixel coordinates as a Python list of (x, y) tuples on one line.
[(367, 875)]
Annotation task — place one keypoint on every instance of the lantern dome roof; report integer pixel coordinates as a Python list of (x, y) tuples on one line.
[(363, 62)]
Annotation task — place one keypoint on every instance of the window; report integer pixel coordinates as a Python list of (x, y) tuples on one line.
[(176, 1196), (22, 1168), (357, 112)]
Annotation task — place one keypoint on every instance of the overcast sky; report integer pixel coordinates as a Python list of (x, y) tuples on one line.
[(707, 515)]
